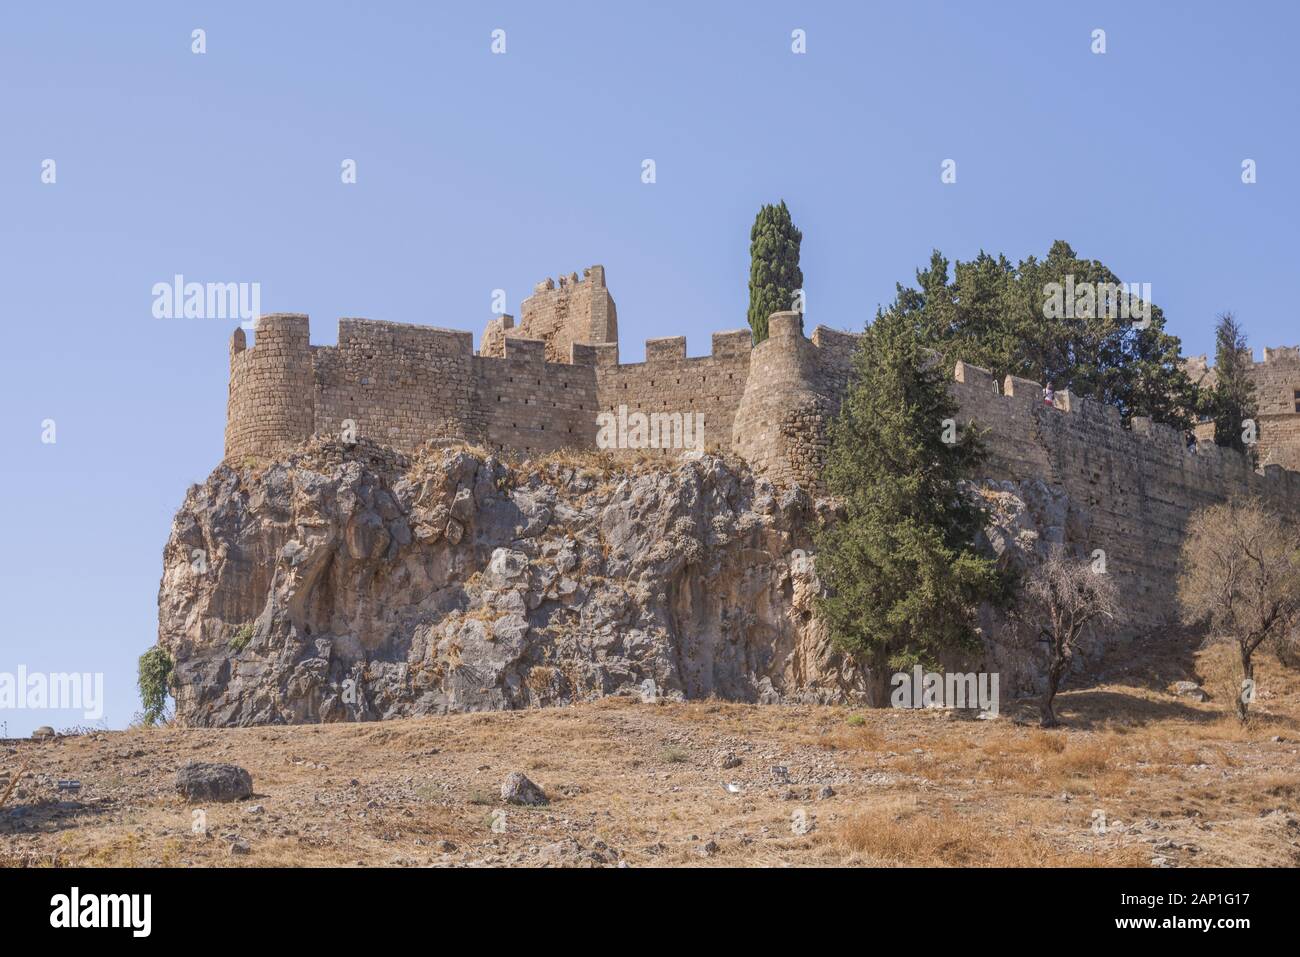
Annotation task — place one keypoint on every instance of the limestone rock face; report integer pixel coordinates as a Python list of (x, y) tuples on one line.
[(351, 582), (1024, 522)]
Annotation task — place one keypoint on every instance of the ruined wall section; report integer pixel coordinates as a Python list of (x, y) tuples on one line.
[(1277, 391), (572, 311), (269, 405), (493, 342), (669, 383), (1132, 491)]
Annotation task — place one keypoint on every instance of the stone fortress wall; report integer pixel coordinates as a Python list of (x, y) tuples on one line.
[(1131, 491), (539, 386), (1277, 392), (535, 387)]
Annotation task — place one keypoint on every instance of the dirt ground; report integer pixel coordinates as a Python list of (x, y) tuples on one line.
[(1137, 777)]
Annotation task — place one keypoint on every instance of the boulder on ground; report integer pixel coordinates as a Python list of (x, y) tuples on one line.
[(517, 789), (200, 781)]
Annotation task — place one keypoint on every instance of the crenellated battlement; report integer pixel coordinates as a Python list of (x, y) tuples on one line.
[(1277, 394), (562, 313), (1198, 366), (993, 404), (1131, 491), (404, 384)]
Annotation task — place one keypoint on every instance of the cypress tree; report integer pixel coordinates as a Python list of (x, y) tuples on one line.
[(902, 574), (774, 273), (1233, 399)]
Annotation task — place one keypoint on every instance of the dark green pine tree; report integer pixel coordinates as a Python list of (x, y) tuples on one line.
[(1233, 400), (991, 312), (774, 273), (902, 574)]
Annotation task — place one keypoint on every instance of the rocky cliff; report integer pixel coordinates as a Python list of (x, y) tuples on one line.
[(353, 582)]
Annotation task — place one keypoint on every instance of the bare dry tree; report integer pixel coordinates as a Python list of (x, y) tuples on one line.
[(13, 782), (1060, 599), (1241, 577)]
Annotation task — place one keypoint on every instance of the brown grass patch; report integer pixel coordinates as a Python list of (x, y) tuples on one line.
[(905, 834)]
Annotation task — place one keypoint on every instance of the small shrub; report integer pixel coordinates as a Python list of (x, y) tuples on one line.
[(540, 678), (673, 756), (242, 637), (857, 720), (153, 675)]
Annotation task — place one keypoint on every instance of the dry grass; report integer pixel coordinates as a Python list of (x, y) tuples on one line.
[(904, 833), (645, 782), (13, 782)]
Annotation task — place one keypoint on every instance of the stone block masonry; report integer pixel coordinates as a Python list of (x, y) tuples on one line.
[(403, 385), (270, 404), (560, 314), (781, 422), (668, 382), (1131, 491), (1277, 393)]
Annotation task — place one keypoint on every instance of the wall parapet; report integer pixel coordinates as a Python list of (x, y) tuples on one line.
[(972, 380), (400, 382), (1131, 491)]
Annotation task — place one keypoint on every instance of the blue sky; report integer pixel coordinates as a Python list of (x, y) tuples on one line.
[(478, 171)]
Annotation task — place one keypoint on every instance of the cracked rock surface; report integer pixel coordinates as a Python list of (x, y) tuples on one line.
[(351, 582)]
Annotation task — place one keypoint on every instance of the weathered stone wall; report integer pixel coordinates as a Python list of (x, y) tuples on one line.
[(532, 406), (403, 385), (792, 393), (494, 336), (669, 384), (269, 406), (1277, 392), (573, 311), (398, 384), (1131, 491)]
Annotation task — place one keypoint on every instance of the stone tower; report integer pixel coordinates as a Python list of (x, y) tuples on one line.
[(270, 403), (574, 311), (792, 392), (1277, 394)]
